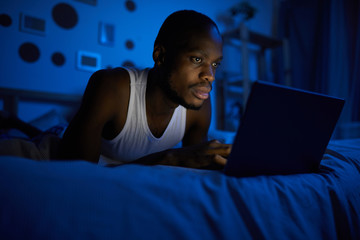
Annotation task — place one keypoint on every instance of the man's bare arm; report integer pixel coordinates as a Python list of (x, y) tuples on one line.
[(197, 151), (208, 155), (82, 139)]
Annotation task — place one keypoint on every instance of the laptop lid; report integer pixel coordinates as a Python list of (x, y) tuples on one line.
[(283, 131)]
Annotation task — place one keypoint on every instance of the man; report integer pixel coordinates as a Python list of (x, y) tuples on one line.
[(138, 116)]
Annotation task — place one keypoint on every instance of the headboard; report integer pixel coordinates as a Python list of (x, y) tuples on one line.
[(11, 98)]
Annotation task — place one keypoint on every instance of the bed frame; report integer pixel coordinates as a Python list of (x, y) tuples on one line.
[(11, 98)]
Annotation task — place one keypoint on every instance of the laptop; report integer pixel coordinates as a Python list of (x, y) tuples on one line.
[(282, 131)]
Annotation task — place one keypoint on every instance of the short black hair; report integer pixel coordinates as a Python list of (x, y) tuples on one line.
[(178, 26)]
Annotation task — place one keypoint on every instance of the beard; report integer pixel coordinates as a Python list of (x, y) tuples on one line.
[(170, 92)]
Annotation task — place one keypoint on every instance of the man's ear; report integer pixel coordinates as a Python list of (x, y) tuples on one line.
[(159, 55)]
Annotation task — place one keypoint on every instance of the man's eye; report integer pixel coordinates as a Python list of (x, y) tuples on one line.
[(196, 59), (216, 64)]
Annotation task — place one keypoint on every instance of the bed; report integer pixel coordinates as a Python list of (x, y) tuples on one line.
[(42, 199)]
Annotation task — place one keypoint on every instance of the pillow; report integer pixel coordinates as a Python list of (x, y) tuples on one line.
[(49, 120), (44, 149), (12, 133)]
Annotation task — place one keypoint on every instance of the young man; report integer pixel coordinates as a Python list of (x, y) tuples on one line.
[(138, 116)]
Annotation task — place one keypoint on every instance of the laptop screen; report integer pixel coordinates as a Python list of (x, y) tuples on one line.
[(283, 130)]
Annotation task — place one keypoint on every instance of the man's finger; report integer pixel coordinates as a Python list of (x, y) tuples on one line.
[(220, 160), (220, 149)]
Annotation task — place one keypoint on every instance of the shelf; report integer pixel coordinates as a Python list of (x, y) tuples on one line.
[(255, 38), (235, 87)]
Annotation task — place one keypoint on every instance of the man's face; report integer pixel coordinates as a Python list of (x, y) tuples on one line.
[(193, 70)]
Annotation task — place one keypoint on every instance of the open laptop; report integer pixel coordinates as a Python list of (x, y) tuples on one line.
[(283, 131)]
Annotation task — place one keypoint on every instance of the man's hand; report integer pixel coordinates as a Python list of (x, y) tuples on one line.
[(209, 155)]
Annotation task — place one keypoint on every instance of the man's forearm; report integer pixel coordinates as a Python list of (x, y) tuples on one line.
[(159, 158), (209, 155)]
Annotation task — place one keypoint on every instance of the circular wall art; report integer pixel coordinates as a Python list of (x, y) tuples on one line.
[(65, 15), (58, 59), (5, 20), (29, 52), (129, 44), (130, 5)]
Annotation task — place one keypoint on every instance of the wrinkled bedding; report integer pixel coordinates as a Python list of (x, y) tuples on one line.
[(80, 200)]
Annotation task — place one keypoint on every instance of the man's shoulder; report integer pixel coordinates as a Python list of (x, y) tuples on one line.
[(116, 75), (119, 72), (109, 79)]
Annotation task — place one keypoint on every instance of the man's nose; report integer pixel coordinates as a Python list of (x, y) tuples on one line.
[(208, 73)]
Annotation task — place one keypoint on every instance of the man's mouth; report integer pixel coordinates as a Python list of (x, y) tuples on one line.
[(202, 92)]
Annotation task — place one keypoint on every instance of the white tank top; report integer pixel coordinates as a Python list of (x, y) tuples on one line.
[(135, 139)]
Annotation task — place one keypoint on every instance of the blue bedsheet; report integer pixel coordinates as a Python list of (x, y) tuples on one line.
[(80, 200)]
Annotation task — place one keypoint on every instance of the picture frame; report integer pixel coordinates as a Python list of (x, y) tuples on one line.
[(106, 34), (88, 61), (89, 2), (33, 25)]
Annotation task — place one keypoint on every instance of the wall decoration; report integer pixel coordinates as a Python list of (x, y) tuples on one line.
[(32, 24), (128, 63), (29, 52), (106, 34), (130, 5), (129, 44), (90, 2), (5, 20), (88, 61), (65, 15), (58, 59)]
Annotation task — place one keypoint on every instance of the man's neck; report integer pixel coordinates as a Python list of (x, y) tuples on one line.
[(157, 103)]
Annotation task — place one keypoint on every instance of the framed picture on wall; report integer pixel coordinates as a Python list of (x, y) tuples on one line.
[(31, 24), (106, 34), (90, 2), (88, 61)]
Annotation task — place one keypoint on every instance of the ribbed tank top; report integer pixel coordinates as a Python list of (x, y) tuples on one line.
[(135, 139)]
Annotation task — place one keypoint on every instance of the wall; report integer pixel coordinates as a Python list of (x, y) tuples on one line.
[(139, 26)]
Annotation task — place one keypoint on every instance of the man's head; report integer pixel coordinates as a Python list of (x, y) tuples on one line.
[(187, 51)]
